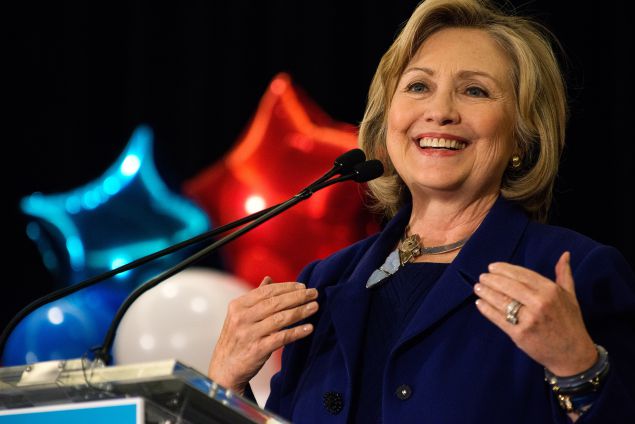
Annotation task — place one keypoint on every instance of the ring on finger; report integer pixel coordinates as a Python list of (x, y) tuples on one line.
[(512, 311)]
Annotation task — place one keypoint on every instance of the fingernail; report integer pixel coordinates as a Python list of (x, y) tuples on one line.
[(477, 302), (311, 292), (492, 266), (311, 306), (477, 287), (306, 328), (300, 286)]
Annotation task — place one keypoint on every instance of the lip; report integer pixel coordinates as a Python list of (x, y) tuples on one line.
[(439, 152)]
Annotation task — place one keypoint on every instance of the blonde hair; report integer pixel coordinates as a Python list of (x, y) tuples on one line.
[(540, 99)]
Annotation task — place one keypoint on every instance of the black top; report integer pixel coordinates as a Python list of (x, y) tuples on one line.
[(392, 304)]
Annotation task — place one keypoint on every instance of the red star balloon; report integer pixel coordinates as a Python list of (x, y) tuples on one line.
[(290, 143)]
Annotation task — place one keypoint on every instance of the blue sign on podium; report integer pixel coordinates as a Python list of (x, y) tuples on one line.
[(120, 411)]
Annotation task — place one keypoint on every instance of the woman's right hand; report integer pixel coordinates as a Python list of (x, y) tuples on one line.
[(256, 325)]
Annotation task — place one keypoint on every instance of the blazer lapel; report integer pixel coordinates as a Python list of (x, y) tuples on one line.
[(495, 240), (348, 300)]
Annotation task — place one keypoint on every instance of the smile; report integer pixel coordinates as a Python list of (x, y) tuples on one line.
[(441, 143)]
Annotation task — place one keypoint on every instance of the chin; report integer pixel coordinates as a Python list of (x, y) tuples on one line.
[(430, 186)]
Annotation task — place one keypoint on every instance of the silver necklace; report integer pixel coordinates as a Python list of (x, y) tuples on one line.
[(408, 250)]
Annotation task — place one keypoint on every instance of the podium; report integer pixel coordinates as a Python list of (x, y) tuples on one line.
[(166, 392)]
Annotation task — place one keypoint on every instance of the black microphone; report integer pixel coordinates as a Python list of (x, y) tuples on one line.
[(361, 172), (349, 159), (368, 170), (344, 163)]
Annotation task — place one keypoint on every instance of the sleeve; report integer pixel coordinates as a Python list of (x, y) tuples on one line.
[(605, 287), (284, 382)]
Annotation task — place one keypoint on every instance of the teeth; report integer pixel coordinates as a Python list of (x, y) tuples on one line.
[(441, 143)]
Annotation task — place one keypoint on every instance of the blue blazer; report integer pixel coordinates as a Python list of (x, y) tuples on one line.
[(457, 366)]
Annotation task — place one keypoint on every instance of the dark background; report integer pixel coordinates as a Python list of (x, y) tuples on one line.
[(84, 75)]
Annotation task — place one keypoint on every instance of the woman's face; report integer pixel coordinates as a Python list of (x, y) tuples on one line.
[(451, 119)]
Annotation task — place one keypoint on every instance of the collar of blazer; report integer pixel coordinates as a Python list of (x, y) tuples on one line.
[(494, 240)]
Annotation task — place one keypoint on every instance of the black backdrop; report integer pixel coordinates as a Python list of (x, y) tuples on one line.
[(84, 75)]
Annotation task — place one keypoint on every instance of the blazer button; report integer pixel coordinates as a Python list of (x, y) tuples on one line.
[(403, 392), (333, 402)]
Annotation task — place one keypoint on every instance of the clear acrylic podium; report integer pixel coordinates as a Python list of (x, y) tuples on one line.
[(169, 391)]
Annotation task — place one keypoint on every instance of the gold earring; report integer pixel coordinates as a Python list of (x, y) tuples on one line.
[(516, 162)]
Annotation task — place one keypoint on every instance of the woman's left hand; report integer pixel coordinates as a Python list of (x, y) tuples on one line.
[(550, 328)]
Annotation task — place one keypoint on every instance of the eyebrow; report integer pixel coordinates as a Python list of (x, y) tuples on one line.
[(461, 74)]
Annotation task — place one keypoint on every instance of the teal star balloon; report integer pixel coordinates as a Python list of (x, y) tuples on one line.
[(121, 216), (125, 214)]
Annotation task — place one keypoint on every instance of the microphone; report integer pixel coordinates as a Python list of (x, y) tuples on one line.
[(342, 164), (349, 159), (361, 172)]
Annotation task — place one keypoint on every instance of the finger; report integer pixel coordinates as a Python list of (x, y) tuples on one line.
[(564, 277), (281, 302), (268, 290), (281, 338), (286, 318), (509, 287), (519, 273), (265, 281), (495, 316), (493, 297)]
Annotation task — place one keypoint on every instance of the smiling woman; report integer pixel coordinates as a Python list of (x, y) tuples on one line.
[(514, 66), (456, 91), (465, 307)]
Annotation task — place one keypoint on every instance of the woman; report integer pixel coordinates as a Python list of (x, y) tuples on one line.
[(465, 308)]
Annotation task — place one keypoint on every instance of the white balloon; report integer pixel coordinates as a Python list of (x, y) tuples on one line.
[(181, 319)]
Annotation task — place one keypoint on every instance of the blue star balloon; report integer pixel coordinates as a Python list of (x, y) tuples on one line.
[(121, 216)]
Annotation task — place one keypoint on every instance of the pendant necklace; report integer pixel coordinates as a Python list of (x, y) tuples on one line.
[(406, 252)]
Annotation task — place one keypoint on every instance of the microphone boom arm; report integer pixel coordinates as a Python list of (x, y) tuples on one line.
[(351, 162), (103, 352)]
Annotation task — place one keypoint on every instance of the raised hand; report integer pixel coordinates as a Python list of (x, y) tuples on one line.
[(257, 324), (549, 327)]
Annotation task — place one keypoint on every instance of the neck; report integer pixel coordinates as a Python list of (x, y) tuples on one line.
[(440, 222)]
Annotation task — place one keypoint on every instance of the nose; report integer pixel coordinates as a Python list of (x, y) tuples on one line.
[(441, 109)]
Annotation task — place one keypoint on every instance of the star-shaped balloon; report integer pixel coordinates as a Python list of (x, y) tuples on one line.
[(125, 214), (289, 143)]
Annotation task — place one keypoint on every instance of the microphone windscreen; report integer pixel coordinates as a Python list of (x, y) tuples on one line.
[(348, 160), (368, 170)]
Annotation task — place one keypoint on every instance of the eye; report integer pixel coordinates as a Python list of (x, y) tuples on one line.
[(416, 87), (475, 91)]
